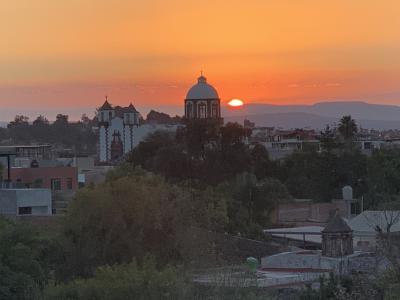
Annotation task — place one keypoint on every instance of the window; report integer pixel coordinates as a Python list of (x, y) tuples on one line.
[(102, 116), (189, 110), (19, 183), (38, 183), (69, 183), (27, 210), (214, 112), (110, 115), (56, 184), (202, 111)]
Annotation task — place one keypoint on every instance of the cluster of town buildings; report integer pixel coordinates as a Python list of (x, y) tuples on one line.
[(283, 142), (38, 182)]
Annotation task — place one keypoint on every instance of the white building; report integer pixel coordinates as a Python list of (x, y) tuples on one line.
[(25, 202), (117, 127)]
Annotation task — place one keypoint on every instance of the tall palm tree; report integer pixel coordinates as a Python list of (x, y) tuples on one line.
[(347, 127)]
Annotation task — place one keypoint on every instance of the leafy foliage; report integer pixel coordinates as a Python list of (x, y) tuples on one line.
[(132, 216), (201, 151), (24, 261), (251, 201), (78, 136), (324, 174), (125, 281), (145, 281), (347, 127)]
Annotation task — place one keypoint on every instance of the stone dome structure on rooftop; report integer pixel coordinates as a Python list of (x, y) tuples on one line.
[(202, 101), (202, 90), (337, 238)]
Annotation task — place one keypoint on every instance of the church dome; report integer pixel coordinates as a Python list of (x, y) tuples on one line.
[(202, 90)]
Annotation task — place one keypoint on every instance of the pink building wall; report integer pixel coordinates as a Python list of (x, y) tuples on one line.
[(28, 176)]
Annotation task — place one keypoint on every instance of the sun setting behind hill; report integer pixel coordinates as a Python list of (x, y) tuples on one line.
[(279, 52)]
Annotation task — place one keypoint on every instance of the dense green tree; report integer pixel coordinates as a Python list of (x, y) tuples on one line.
[(125, 281), (147, 151), (201, 151), (61, 120), (17, 129), (132, 216), (146, 281), (24, 261), (324, 174), (250, 201), (77, 136), (198, 136), (18, 121), (233, 134), (351, 169), (40, 121), (328, 139), (85, 120), (383, 179), (347, 127), (261, 165)]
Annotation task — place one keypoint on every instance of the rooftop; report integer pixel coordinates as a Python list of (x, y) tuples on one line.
[(25, 146), (311, 234), (106, 106), (202, 90), (337, 224), (371, 221)]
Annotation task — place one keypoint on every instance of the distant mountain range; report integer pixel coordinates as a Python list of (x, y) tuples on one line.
[(317, 116), (372, 116)]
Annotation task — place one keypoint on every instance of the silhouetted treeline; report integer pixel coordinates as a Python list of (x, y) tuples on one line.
[(77, 136), (212, 154)]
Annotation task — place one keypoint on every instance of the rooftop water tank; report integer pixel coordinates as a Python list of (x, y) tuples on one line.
[(347, 192)]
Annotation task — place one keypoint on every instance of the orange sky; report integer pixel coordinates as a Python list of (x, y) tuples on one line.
[(67, 54)]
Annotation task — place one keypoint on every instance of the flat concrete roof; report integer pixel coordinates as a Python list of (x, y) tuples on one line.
[(25, 146), (308, 233)]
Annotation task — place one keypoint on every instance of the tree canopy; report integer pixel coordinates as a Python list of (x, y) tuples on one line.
[(24, 261), (62, 133)]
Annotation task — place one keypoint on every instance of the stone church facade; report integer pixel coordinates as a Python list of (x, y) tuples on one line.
[(116, 131), (120, 130)]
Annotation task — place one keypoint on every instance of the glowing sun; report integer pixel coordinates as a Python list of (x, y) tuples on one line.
[(235, 103)]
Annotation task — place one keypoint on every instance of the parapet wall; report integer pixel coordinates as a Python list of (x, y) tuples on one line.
[(306, 212)]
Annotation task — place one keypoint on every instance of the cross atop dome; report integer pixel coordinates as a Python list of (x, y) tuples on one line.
[(202, 79)]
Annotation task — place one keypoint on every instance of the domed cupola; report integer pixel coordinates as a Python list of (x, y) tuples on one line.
[(202, 90), (202, 101)]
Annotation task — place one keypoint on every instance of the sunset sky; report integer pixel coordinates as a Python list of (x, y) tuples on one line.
[(66, 55)]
